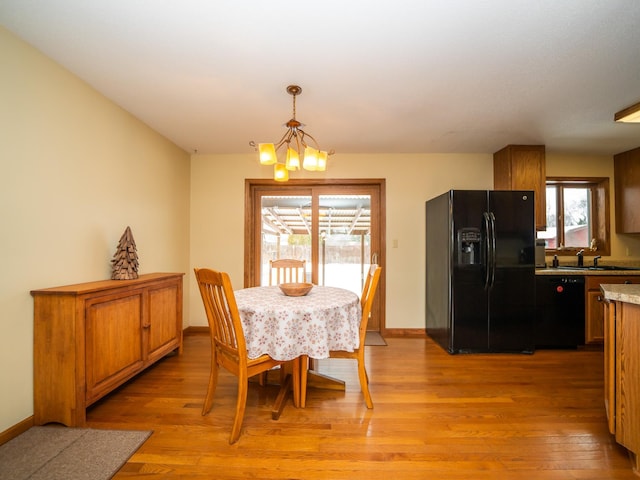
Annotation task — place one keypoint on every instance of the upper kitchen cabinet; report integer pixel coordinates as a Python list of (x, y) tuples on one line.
[(626, 170), (522, 167)]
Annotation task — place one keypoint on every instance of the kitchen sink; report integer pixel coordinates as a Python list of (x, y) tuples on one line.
[(599, 267)]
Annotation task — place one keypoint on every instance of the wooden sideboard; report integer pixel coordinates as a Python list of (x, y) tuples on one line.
[(90, 338)]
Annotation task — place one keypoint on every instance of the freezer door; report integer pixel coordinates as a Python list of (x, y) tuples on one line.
[(512, 294)]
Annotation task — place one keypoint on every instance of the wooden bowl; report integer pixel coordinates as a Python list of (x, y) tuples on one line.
[(295, 289)]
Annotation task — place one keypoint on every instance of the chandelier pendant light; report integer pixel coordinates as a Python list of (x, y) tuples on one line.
[(296, 147)]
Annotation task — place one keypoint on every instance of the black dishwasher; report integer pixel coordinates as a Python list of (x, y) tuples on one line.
[(560, 313)]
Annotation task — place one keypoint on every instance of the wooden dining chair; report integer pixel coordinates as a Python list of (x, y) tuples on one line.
[(366, 301), (228, 347), (287, 270)]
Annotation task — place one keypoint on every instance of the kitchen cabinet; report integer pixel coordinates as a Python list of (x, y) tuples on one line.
[(626, 170), (92, 337), (622, 370), (594, 307), (522, 167)]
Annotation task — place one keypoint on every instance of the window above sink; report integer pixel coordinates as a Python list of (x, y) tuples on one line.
[(577, 216)]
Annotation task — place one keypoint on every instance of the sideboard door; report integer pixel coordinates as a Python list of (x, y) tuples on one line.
[(114, 345)]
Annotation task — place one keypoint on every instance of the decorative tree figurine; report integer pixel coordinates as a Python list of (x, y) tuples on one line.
[(125, 260)]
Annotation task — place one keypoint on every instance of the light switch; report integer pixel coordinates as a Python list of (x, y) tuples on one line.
[(394, 243)]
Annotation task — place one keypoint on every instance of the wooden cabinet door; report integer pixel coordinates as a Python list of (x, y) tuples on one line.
[(610, 364), (594, 332), (594, 311), (114, 344), (163, 326), (627, 414), (522, 167), (626, 169)]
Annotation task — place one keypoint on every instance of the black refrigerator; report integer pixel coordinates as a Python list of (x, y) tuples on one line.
[(480, 264)]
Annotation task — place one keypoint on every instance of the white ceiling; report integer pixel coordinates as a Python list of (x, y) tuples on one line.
[(378, 76)]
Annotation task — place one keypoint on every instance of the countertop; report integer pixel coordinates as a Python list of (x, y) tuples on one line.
[(629, 293), (561, 271)]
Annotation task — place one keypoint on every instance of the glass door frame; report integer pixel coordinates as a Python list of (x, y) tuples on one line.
[(256, 188)]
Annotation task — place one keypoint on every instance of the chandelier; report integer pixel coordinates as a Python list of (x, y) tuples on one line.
[(294, 141)]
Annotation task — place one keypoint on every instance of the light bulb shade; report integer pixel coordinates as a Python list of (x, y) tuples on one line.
[(310, 159), (267, 153), (280, 172), (293, 160), (322, 161)]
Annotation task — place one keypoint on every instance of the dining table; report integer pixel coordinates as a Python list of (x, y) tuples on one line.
[(299, 328)]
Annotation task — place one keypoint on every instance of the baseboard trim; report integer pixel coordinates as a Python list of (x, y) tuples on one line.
[(387, 332), (404, 333), (196, 331), (17, 429)]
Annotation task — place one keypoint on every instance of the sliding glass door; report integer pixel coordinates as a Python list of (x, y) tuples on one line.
[(285, 231), (344, 240), (335, 228)]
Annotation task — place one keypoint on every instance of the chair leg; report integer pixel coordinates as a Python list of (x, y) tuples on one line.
[(304, 373), (300, 373), (295, 373), (364, 381), (211, 387), (241, 403)]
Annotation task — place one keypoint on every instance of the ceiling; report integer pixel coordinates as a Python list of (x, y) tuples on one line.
[(382, 76)]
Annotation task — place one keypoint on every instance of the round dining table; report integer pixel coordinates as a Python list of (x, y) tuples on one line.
[(295, 329), (284, 327)]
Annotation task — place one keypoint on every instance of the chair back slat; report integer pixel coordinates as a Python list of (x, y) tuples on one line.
[(222, 312), (287, 270)]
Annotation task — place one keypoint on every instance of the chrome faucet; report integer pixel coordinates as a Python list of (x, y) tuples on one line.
[(580, 256)]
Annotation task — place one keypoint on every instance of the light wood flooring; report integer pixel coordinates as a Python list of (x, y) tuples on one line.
[(435, 416)]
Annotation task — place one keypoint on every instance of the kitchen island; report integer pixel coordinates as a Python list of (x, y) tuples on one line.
[(622, 365)]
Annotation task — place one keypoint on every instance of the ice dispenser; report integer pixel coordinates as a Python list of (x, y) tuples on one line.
[(468, 246)]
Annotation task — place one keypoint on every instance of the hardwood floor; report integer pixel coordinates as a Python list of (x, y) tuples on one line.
[(435, 416)]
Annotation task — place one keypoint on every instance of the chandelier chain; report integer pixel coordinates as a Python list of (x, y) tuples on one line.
[(294, 106)]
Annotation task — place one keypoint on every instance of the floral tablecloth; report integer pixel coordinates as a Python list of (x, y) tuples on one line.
[(325, 319)]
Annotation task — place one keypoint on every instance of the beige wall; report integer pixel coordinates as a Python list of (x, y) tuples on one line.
[(76, 170), (217, 213)]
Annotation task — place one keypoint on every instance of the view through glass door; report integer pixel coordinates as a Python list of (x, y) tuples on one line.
[(343, 224), (335, 229)]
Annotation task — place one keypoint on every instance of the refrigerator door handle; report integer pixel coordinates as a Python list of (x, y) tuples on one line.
[(492, 246), (487, 252)]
